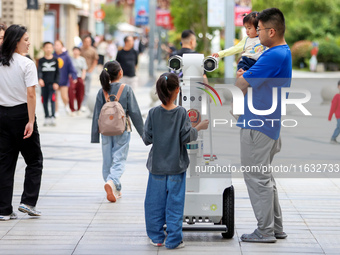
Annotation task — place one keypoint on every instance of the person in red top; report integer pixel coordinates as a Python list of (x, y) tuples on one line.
[(335, 108)]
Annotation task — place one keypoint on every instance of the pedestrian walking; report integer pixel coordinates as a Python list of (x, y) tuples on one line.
[(115, 148), (335, 109), (48, 73), (18, 126), (76, 90), (66, 69), (128, 59), (168, 128), (112, 49), (259, 143), (101, 50), (91, 57), (2, 32)]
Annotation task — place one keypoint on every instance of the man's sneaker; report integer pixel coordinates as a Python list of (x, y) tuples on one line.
[(257, 237), (111, 191), (12, 216), (281, 235), (30, 210), (53, 122), (156, 244)]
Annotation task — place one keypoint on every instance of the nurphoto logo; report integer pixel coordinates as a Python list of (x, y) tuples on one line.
[(238, 105)]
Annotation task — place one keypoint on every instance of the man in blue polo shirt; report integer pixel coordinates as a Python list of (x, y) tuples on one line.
[(260, 130)]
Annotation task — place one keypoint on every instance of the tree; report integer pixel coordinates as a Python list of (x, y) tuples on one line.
[(192, 15), (306, 19), (113, 15)]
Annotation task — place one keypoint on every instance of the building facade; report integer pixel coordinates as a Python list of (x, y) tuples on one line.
[(15, 12), (54, 19)]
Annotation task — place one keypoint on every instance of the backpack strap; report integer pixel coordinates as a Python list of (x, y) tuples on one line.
[(107, 96), (121, 88)]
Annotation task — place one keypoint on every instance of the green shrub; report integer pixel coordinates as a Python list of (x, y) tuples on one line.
[(329, 51), (301, 52)]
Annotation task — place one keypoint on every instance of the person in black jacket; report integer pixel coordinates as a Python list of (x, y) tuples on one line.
[(128, 59), (48, 73)]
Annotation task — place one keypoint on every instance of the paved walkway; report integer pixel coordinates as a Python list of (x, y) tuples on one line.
[(77, 218)]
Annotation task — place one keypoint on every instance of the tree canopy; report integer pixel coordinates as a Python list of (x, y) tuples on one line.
[(192, 15), (306, 19), (113, 15)]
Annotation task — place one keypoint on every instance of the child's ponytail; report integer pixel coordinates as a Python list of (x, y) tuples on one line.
[(105, 80), (251, 18), (109, 73), (166, 84)]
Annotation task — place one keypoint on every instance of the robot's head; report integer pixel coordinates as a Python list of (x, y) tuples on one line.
[(176, 63)]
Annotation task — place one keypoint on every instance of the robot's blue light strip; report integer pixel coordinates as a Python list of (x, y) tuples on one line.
[(192, 146), (208, 94)]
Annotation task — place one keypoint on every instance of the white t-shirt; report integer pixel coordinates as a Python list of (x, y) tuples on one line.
[(253, 48), (15, 79)]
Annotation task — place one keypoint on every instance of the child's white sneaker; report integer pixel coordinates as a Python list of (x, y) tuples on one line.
[(47, 122), (53, 122), (112, 194), (156, 244)]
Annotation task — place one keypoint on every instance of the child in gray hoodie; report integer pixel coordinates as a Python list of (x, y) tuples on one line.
[(168, 129)]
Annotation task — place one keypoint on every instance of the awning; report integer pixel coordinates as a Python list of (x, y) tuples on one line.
[(76, 3), (126, 27)]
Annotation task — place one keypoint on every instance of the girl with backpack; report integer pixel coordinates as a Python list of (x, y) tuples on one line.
[(168, 128), (115, 148)]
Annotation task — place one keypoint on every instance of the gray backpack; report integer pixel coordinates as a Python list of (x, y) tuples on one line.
[(112, 118)]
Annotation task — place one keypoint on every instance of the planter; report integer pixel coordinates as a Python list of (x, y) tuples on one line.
[(320, 67)]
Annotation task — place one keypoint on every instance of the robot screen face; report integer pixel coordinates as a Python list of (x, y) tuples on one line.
[(210, 64), (175, 63)]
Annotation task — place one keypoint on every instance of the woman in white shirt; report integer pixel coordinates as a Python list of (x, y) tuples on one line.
[(18, 127)]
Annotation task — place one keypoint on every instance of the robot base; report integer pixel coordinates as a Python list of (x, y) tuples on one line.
[(210, 212)]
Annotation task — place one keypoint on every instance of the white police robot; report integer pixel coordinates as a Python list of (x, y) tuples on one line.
[(209, 199)]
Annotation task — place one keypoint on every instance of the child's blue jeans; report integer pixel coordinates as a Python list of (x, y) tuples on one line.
[(245, 63), (337, 130), (164, 204), (115, 150)]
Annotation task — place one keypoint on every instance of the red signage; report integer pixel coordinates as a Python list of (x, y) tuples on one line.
[(164, 19), (99, 14), (239, 14)]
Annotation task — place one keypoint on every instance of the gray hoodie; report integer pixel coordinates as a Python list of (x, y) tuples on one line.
[(168, 131)]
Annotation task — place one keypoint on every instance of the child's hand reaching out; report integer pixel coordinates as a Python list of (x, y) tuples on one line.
[(202, 125)]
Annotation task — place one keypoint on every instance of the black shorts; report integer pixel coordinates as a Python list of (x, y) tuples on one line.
[(101, 60)]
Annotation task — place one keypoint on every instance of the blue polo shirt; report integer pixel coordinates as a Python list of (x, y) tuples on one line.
[(272, 70)]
